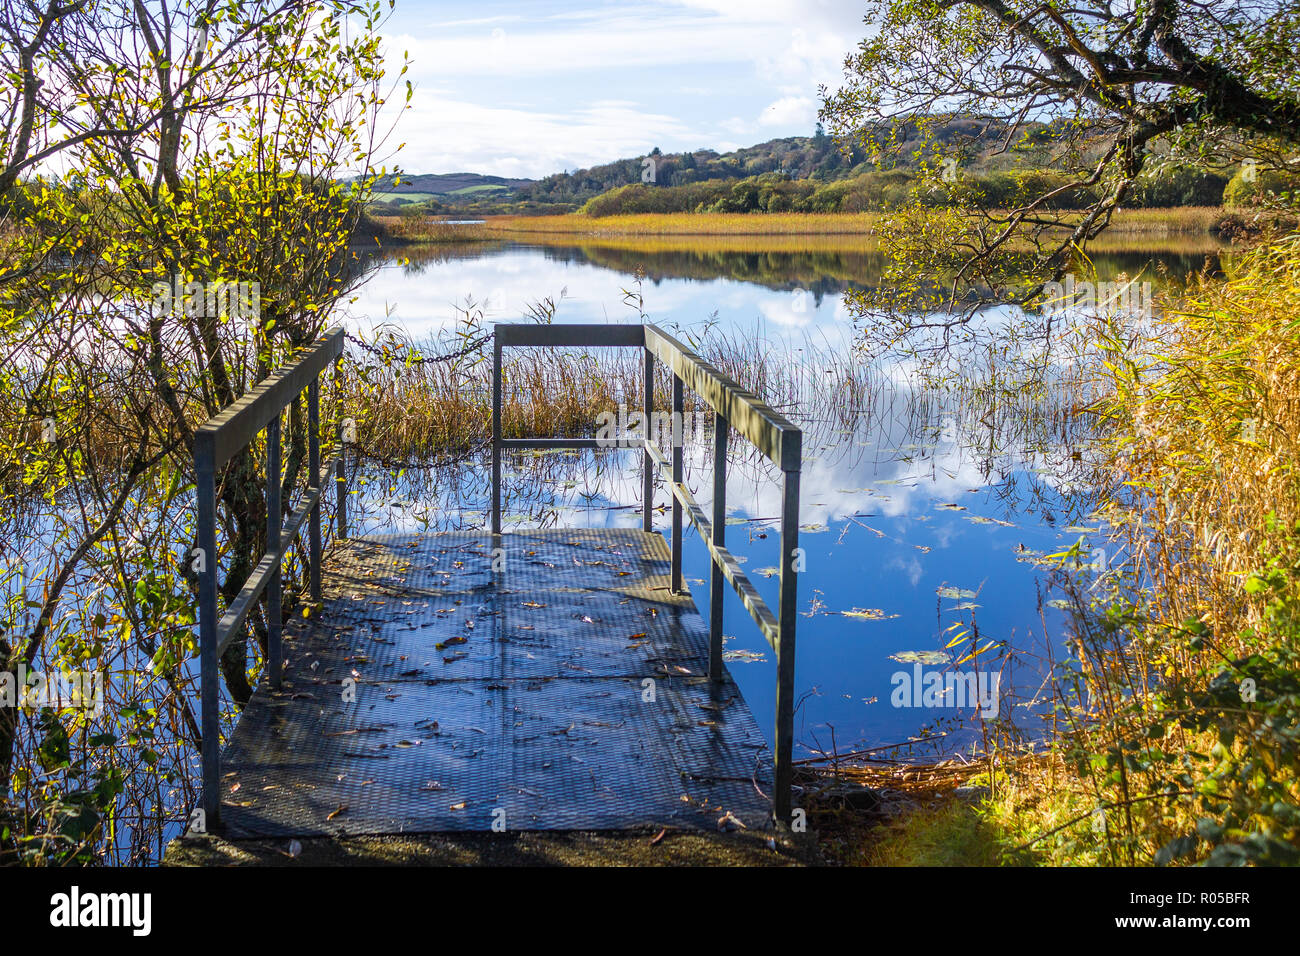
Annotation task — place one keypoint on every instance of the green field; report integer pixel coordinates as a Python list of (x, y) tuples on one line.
[(483, 188), (403, 197), (414, 197)]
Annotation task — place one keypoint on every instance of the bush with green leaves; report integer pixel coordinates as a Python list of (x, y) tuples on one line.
[(1247, 786), (1252, 187)]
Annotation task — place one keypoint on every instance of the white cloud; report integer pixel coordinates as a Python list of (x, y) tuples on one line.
[(737, 126), (790, 111), (451, 135), (608, 45), (673, 73)]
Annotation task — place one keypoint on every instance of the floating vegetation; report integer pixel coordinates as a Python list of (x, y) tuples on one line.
[(869, 614), (933, 658), (979, 519), (956, 594)]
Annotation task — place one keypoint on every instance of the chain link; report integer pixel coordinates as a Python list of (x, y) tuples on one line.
[(474, 346)]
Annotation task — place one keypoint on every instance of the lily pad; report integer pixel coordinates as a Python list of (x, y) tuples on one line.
[(980, 519), (921, 657), (956, 594), (869, 614)]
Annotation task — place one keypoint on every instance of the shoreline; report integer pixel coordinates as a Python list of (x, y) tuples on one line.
[(1211, 226)]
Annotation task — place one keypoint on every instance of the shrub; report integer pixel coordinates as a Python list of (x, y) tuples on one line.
[(1263, 187), (1179, 186)]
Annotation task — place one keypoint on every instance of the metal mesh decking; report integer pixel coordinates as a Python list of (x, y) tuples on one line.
[(450, 688)]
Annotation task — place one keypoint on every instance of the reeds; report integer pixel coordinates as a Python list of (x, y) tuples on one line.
[(1146, 223), (1167, 752), (687, 224)]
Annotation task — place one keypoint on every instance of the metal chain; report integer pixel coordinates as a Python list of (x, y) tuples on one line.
[(474, 346)]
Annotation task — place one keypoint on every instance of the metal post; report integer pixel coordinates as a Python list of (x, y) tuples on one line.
[(340, 465), (496, 436), (313, 481), (274, 525), (785, 648), (341, 487), (716, 580), (206, 493), (647, 463), (679, 431)]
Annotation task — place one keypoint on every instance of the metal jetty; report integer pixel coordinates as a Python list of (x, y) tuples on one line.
[(531, 680)]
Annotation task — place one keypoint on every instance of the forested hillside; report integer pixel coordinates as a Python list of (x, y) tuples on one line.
[(803, 174)]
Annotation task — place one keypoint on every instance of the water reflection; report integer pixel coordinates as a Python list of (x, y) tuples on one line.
[(922, 507), (792, 291)]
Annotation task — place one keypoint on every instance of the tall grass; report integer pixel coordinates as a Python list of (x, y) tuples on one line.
[(410, 409), (1181, 706), (688, 224), (423, 229), (1148, 223)]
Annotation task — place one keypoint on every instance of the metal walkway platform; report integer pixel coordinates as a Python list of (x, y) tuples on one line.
[(555, 685)]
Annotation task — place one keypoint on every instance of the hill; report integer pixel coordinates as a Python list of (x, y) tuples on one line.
[(447, 184), (788, 174)]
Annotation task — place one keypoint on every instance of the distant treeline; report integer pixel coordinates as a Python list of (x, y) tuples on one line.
[(796, 157), (813, 174), (875, 191)]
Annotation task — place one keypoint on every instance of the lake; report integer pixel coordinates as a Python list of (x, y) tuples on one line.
[(927, 508)]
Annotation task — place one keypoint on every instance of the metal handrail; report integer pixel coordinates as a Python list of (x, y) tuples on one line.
[(733, 407), (215, 443)]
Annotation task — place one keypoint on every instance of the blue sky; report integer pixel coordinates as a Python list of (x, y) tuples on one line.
[(531, 88)]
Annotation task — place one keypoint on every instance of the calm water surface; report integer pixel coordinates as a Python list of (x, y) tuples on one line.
[(924, 516)]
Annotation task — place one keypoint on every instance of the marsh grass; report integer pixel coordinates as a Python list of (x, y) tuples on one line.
[(1148, 223), (687, 224), (410, 409), (425, 229), (1163, 754)]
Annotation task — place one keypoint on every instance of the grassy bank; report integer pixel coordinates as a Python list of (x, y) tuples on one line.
[(688, 224), (759, 230)]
